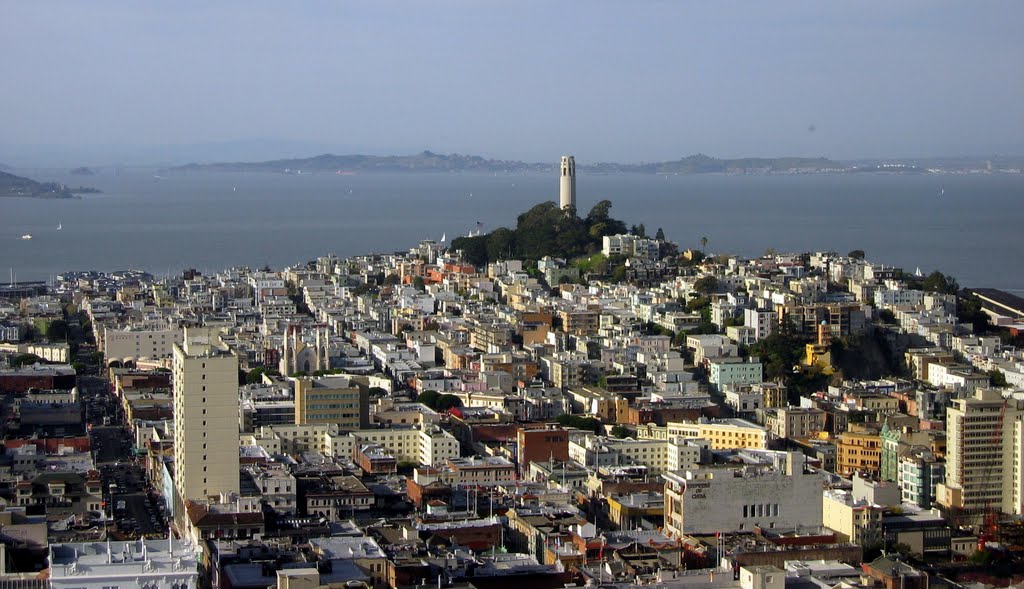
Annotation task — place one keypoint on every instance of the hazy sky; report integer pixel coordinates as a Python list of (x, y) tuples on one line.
[(624, 81)]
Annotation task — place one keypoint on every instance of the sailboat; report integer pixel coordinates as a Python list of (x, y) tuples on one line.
[(444, 237), (59, 225), (27, 236)]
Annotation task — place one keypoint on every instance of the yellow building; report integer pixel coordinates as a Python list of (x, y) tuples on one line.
[(859, 451), (847, 516), (205, 382), (627, 511), (723, 434), (336, 399)]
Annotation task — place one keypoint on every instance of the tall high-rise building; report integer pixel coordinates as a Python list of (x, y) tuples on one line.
[(984, 439), (567, 183), (206, 411)]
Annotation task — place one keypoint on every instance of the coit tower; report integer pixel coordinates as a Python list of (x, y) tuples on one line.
[(567, 183)]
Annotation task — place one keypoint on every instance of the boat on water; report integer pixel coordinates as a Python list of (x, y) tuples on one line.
[(27, 236), (60, 225)]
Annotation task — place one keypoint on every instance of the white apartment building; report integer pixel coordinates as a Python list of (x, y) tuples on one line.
[(761, 321), (794, 422), (888, 298), (743, 399)]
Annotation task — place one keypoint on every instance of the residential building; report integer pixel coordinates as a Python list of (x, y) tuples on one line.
[(984, 437), (793, 422), (733, 371), (206, 417), (859, 450)]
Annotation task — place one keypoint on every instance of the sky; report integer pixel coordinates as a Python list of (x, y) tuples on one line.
[(629, 81)]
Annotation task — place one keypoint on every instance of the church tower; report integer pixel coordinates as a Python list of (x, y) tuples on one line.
[(567, 183)]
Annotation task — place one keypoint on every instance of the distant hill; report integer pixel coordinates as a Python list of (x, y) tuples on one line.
[(15, 186), (422, 162), (702, 164), (83, 171), (433, 162)]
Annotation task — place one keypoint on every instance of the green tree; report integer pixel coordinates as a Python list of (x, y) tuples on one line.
[(419, 284), (619, 273), (620, 431), (599, 212), (706, 285), (580, 422), (887, 316), (25, 360), (970, 312), (939, 282), (392, 279), (446, 402), (429, 398), (660, 234), (856, 254), (57, 330), (501, 244), (255, 376), (996, 378), (704, 242)]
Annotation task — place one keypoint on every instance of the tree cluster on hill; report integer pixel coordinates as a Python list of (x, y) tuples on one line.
[(438, 401), (580, 422), (544, 230)]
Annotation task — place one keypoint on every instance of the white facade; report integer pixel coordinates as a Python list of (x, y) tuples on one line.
[(141, 343), (137, 564), (567, 183), (708, 501), (761, 321)]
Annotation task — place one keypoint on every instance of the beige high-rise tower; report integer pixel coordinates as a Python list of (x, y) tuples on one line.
[(567, 183), (984, 464), (205, 417)]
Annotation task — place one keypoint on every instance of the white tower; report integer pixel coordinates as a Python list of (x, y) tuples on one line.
[(567, 183)]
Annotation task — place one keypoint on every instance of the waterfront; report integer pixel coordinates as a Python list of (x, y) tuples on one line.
[(966, 226)]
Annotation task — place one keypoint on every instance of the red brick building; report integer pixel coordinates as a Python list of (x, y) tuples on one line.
[(541, 442)]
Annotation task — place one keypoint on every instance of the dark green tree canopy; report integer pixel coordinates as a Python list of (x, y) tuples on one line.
[(544, 230)]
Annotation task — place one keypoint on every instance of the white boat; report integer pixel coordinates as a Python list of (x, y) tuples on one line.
[(59, 225), (27, 236), (444, 237)]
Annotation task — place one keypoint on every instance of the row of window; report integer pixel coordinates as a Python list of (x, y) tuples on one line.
[(761, 510)]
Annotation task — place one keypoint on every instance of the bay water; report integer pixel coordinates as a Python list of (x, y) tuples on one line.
[(969, 226)]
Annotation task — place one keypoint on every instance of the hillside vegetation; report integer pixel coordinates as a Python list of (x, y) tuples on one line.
[(544, 230)]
